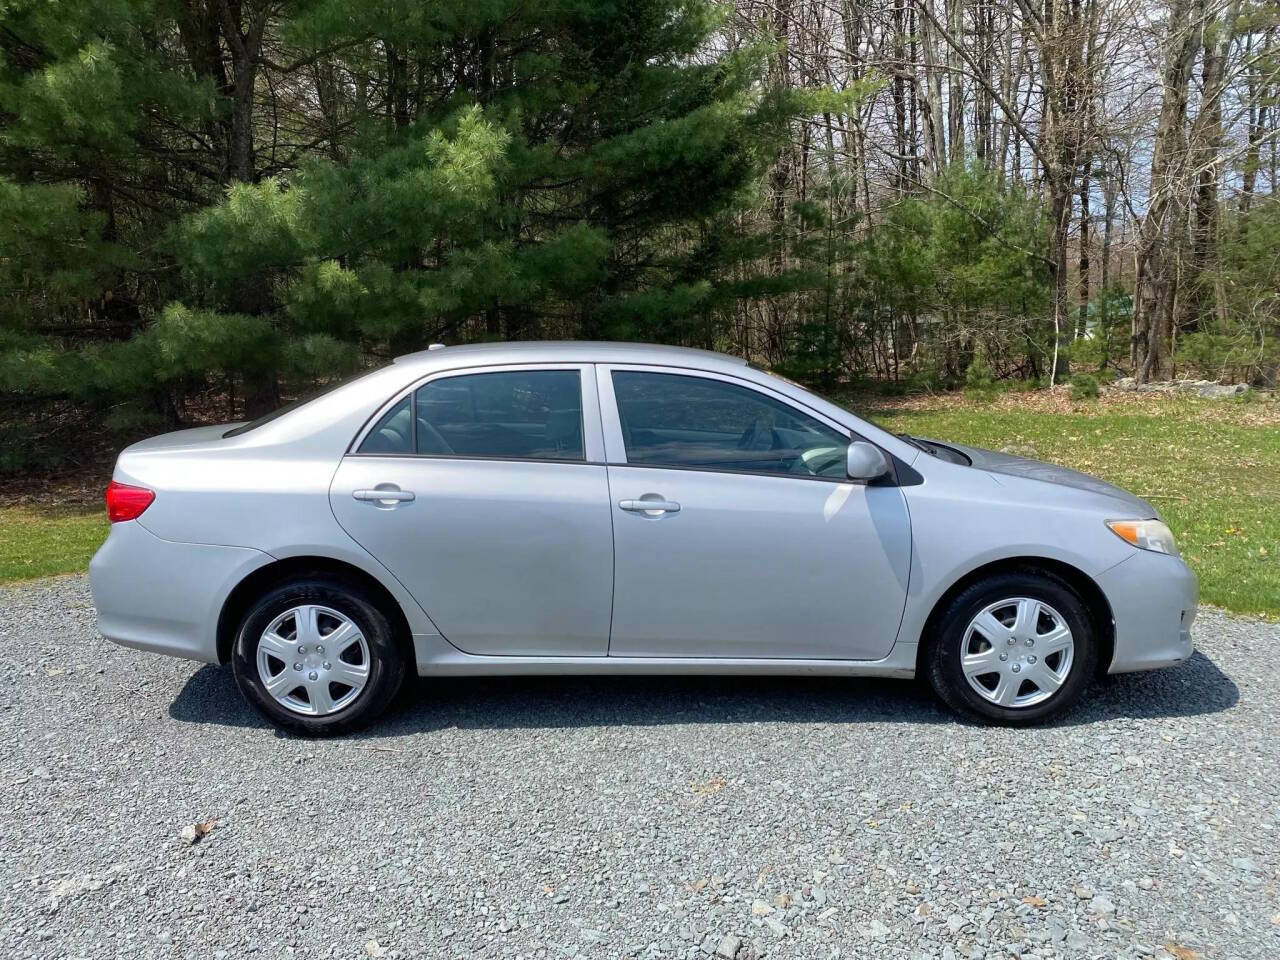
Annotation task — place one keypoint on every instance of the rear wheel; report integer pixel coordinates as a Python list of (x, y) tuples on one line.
[(1013, 648), (316, 656)]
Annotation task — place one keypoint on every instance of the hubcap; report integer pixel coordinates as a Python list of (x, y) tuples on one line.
[(313, 660), (1017, 652)]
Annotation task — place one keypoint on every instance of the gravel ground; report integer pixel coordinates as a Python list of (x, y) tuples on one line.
[(630, 818)]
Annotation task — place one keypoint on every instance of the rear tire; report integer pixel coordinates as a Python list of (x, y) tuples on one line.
[(1013, 648), (316, 656)]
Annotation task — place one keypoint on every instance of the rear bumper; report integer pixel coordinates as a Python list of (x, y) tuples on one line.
[(1153, 599), (163, 596)]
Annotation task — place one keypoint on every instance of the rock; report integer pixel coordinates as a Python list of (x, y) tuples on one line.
[(729, 947), (1245, 864), (1203, 388), (1218, 390), (1146, 883), (761, 909), (1084, 893), (375, 949), (779, 929), (505, 925), (709, 944), (1077, 940), (1102, 905)]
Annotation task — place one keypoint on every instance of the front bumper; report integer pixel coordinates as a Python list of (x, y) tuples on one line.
[(164, 596), (1153, 600)]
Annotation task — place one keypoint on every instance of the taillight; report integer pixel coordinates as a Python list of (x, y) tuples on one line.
[(126, 502)]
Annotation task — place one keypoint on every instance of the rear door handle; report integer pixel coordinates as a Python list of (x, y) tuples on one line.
[(392, 495), (653, 507)]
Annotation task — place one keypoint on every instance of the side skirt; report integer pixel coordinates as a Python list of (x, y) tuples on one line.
[(436, 659)]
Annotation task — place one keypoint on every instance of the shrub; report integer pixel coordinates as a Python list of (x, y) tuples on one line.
[(1084, 386), (979, 375)]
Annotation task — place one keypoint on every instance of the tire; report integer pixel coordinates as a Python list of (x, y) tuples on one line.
[(1046, 675), (359, 673)]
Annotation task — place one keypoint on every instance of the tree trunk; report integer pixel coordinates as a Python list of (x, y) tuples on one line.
[(1155, 275)]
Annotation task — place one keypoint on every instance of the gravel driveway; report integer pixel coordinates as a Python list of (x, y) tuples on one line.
[(619, 818)]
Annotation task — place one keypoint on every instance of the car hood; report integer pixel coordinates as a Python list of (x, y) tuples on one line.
[(1008, 465)]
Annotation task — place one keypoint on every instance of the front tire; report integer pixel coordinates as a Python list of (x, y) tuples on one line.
[(316, 656), (1012, 648)]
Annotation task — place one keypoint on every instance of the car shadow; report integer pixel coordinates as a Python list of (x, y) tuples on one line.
[(1192, 688)]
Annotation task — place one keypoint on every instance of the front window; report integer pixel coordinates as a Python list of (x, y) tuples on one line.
[(686, 421)]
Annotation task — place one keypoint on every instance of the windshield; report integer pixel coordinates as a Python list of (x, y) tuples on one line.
[(313, 394), (843, 406), (932, 448)]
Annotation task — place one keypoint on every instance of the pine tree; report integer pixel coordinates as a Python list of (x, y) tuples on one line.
[(239, 195), (554, 169)]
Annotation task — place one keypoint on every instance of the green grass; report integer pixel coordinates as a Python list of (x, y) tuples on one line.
[(1211, 467), (43, 541)]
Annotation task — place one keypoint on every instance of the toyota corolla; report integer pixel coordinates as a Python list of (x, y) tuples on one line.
[(577, 508)]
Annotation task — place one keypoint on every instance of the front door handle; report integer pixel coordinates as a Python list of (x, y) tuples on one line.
[(388, 495), (650, 504)]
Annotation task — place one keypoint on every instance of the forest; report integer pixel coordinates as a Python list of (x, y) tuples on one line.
[(209, 205)]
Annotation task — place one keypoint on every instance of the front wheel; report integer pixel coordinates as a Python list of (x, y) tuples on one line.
[(316, 656), (1012, 648)]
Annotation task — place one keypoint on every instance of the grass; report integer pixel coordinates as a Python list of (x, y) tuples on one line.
[(1212, 467), (43, 541)]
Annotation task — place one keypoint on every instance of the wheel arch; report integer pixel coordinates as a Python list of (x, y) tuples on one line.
[(1095, 601), (264, 578)]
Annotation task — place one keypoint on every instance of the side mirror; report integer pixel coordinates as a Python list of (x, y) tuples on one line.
[(865, 461)]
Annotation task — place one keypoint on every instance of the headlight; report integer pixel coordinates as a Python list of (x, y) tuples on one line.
[(1145, 535)]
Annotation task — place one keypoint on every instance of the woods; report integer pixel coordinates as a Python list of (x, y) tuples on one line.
[(208, 204)]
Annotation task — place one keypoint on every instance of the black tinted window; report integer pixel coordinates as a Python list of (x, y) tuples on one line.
[(676, 420), (394, 432), (527, 414)]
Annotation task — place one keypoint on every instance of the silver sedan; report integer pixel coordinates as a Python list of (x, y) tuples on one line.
[(572, 508)]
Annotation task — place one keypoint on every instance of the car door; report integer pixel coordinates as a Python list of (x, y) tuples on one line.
[(484, 492), (736, 531)]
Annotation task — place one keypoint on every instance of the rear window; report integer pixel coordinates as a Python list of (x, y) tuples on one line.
[(314, 394), (513, 415)]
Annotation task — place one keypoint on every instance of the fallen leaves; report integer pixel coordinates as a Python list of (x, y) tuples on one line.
[(1036, 901), (193, 833), (712, 786), (1182, 953)]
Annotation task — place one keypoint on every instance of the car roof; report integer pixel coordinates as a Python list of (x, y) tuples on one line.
[(567, 351)]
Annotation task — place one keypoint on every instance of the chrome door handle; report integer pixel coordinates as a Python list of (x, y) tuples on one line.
[(654, 506), (383, 496)]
